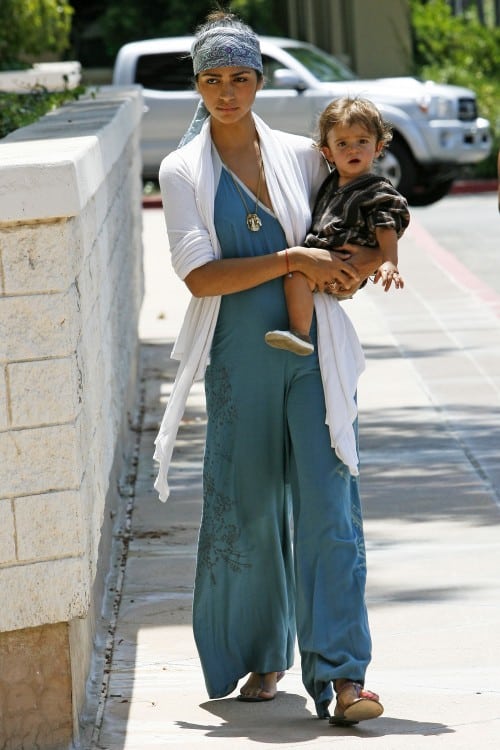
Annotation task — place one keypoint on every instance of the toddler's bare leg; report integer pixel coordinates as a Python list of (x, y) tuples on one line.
[(300, 303), (300, 306)]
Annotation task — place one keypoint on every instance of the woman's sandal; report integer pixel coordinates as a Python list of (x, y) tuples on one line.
[(355, 704)]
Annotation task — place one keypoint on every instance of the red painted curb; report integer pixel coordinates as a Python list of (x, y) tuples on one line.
[(152, 201), (473, 186)]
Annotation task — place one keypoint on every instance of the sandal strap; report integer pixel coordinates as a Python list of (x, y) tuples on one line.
[(369, 694), (359, 691)]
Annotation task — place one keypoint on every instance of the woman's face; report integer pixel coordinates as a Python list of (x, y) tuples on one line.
[(228, 93)]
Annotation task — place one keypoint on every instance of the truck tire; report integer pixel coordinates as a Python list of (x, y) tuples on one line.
[(399, 167), (424, 196)]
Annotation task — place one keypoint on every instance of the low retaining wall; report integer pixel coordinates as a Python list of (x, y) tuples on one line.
[(53, 76), (71, 287)]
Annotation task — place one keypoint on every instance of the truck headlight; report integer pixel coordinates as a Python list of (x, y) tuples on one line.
[(438, 107)]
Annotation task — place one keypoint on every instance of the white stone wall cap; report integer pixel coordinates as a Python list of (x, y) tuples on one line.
[(53, 76), (51, 168)]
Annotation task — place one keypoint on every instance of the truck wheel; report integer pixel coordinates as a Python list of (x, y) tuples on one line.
[(424, 196), (398, 166)]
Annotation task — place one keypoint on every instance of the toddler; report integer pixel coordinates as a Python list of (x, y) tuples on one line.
[(354, 205)]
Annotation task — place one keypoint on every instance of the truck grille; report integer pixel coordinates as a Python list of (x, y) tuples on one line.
[(467, 109)]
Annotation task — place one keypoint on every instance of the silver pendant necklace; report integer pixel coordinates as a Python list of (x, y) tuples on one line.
[(253, 220)]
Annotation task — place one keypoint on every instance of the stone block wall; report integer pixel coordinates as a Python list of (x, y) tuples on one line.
[(71, 287)]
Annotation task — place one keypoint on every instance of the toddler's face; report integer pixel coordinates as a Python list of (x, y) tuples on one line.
[(352, 149)]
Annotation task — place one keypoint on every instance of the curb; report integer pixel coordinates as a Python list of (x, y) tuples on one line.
[(460, 187), (152, 201), (473, 186)]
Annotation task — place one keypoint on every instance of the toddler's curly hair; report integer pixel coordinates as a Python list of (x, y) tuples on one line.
[(348, 111)]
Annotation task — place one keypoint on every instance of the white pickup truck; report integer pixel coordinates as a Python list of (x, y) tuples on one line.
[(436, 127)]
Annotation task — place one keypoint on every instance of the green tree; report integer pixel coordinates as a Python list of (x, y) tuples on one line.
[(126, 20), (31, 28), (260, 14), (454, 46), (459, 49)]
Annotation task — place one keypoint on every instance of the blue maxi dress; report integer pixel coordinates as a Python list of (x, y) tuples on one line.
[(281, 550)]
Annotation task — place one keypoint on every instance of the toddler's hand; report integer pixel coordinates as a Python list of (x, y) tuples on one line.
[(388, 273)]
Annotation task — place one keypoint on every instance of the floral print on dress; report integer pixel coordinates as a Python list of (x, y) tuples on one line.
[(220, 534), (357, 523)]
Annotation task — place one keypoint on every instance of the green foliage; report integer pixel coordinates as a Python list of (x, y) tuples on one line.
[(18, 110), (259, 14), (460, 50), (32, 27), (126, 20)]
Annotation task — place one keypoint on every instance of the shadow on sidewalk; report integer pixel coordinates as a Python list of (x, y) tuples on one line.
[(287, 721), (413, 472), (415, 466)]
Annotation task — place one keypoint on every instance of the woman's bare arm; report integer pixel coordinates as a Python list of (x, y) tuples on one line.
[(230, 275)]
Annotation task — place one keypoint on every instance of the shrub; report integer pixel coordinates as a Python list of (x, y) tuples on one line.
[(18, 110), (462, 51), (32, 28)]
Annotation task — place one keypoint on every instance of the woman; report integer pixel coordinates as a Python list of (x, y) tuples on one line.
[(236, 200)]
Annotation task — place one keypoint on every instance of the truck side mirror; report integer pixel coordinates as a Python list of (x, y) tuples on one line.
[(283, 78)]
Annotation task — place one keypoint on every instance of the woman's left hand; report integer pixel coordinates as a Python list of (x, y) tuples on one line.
[(365, 260), (325, 270)]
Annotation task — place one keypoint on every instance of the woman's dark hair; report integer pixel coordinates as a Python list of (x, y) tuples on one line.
[(221, 17)]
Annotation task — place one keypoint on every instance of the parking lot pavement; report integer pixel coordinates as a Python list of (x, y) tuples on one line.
[(430, 431)]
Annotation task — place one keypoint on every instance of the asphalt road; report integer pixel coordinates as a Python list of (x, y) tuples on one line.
[(468, 227)]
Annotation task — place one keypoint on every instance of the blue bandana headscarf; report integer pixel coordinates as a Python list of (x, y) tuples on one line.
[(222, 47), (226, 46)]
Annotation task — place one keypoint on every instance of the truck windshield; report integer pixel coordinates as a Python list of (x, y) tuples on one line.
[(323, 66)]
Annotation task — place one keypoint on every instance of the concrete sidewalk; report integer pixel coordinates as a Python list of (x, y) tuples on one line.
[(430, 446)]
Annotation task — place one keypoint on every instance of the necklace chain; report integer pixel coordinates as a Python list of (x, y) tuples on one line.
[(254, 222)]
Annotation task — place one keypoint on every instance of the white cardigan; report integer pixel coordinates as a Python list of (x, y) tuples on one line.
[(294, 170)]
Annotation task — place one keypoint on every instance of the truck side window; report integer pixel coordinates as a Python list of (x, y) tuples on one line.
[(165, 72), (270, 64)]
